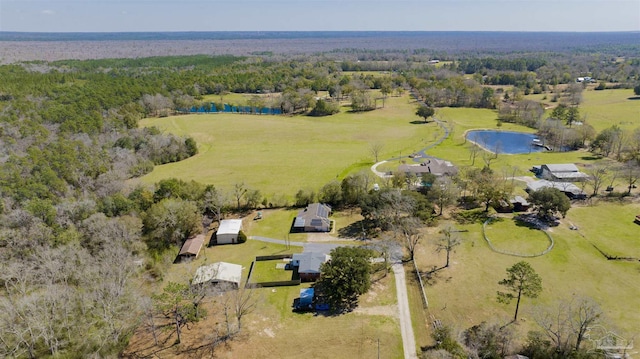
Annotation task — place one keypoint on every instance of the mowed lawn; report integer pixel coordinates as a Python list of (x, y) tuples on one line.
[(280, 155), (511, 236)]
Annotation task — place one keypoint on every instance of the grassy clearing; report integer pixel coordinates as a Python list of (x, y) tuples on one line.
[(275, 223), (509, 235), (280, 155)]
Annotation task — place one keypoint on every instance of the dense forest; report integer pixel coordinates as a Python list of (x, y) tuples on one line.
[(75, 242)]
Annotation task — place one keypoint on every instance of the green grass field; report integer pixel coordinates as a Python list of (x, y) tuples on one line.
[(508, 235), (280, 155)]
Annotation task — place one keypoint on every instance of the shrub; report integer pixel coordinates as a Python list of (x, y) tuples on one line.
[(242, 237)]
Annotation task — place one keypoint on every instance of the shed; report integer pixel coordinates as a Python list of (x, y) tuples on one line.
[(191, 247), (219, 272), (228, 231)]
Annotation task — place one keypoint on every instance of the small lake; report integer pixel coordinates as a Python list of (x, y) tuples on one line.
[(504, 141)]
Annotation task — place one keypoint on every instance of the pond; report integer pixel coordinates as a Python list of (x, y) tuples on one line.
[(505, 141)]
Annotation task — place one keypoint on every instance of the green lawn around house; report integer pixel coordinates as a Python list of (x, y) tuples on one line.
[(270, 271)]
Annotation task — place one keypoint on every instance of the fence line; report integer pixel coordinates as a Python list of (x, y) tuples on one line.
[(486, 238), (425, 301)]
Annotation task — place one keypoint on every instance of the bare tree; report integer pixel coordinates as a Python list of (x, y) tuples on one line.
[(448, 242), (214, 202), (239, 190), (376, 149), (408, 229), (245, 301), (473, 152), (567, 324), (631, 173), (597, 175)]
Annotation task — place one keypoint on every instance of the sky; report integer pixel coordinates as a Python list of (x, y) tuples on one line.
[(318, 15)]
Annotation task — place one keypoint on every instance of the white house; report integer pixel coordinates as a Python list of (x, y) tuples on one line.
[(228, 231), (219, 272)]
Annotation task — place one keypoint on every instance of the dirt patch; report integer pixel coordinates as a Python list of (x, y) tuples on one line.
[(384, 310), (322, 237), (268, 332)]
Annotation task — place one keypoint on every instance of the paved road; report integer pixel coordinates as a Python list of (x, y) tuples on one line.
[(308, 246)]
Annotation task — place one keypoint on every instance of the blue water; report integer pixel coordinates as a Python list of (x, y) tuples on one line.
[(504, 142)]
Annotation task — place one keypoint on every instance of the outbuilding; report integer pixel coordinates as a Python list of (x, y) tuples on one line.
[(191, 247), (228, 231), (219, 273)]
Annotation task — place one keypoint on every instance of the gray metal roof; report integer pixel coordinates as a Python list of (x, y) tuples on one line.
[(563, 167), (219, 271)]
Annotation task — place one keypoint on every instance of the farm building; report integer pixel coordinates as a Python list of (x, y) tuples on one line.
[(308, 264), (228, 231), (431, 165), (191, 247), (217, 273), (562, 173), (314, 218), (572, 191)]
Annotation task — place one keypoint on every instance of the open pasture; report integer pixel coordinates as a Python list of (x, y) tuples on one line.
[(464, 294), (280, 155)]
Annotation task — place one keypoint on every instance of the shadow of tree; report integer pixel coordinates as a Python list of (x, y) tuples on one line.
[(361, 229)]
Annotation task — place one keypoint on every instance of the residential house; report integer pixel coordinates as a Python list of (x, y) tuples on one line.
[(219, 273), (434, 166), (314, 218), (308, 265), (228, 231)]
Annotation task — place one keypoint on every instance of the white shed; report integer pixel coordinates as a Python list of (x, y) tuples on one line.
[(228, 231)]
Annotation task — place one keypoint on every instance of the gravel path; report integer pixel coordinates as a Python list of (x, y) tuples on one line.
[(406, 329)]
